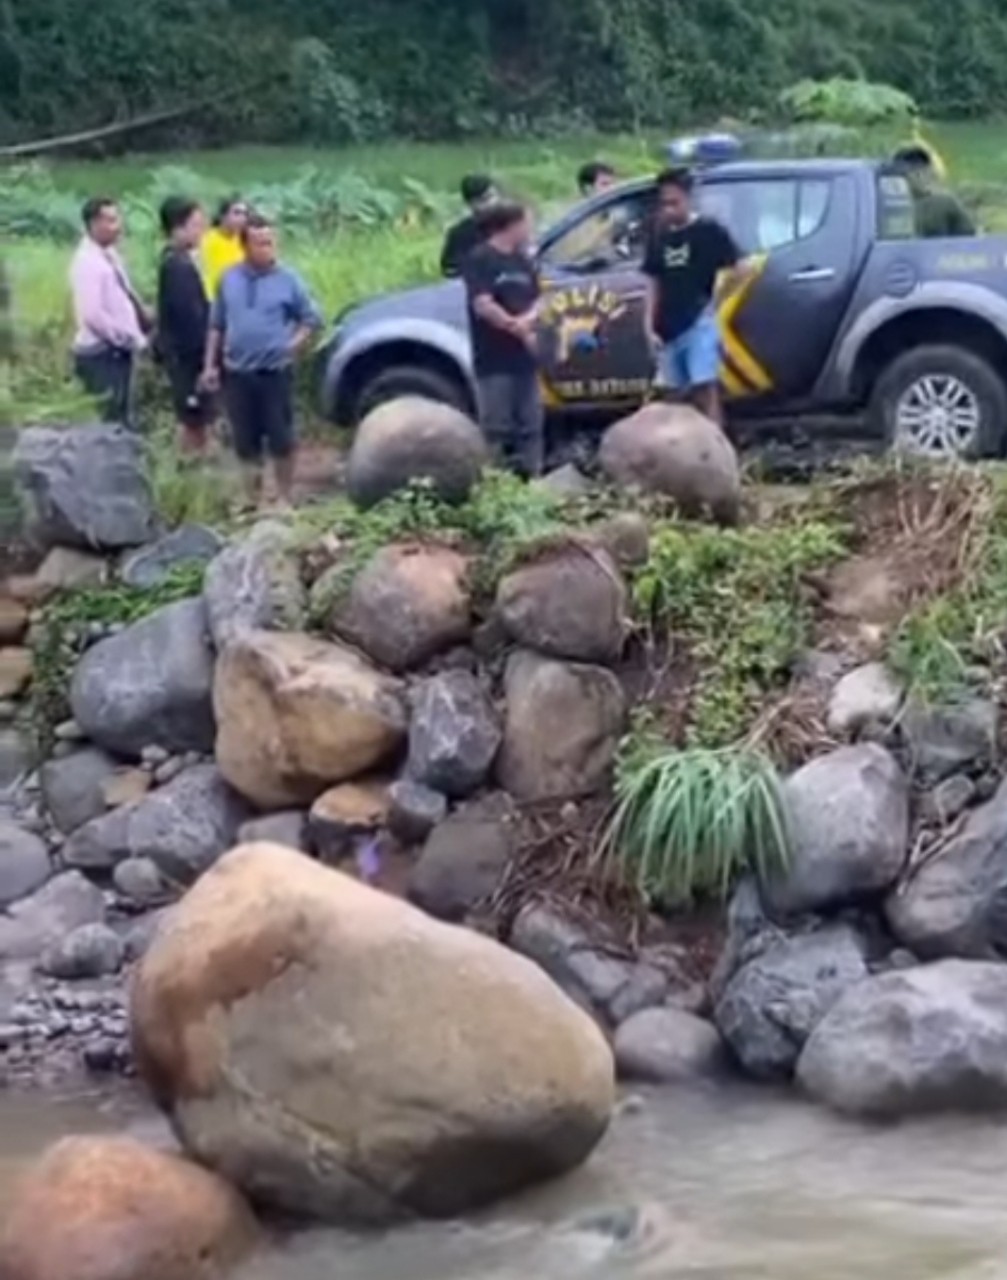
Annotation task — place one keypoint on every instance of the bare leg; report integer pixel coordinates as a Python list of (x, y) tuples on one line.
[(707, 401), (283, 473), (251, 478)]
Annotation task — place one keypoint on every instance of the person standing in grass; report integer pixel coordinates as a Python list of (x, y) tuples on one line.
[(503, 292), (111, 322), (222, 246), (479, 192), (260, 321), (183, 314)]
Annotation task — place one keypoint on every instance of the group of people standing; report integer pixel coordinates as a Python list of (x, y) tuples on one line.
[(229, 317)]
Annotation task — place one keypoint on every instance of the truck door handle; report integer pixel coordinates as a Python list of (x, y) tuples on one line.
[(812, 275)]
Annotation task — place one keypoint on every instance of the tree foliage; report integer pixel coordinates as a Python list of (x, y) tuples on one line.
[(333, 70)]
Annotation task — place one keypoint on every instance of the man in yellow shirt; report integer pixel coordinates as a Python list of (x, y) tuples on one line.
[(222, 246)]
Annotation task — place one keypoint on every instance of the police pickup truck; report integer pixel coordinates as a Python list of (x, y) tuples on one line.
[(846, 315)]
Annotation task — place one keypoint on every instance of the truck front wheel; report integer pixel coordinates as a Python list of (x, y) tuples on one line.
[(941, 402), (409, 380)]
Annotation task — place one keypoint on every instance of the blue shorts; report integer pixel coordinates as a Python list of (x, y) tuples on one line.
[(693, 358)]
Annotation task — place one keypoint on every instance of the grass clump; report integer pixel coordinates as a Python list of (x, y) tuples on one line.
[(688, 823)]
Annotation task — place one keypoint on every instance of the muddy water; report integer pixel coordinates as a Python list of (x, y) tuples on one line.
[(737, 1185)]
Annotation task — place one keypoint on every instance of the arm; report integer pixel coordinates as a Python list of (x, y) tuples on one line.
[(734, 268), (652, 300), (214, 344), (306, 315), (449, 254), (491, 311)]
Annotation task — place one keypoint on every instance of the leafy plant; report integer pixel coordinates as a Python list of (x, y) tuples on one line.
[(847, 102), (687, 824)]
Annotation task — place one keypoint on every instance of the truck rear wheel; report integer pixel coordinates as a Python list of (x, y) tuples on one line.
[(409, 380), (941, 402)]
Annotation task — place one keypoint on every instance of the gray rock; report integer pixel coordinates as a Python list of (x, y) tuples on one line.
[(414, 811), (169, 770), (288, 828), (955, 903), (568, 604), (24, 863), (849, 824), (92, 951), (664, 1046), (626, 538), (948, 799), (85, 486), (17, 757), (140, 936), (72, 787), (152, 565), (34, 924), (927, 1039), (567, 481), (946, 740), (463, 860), (255, 585), (139, 880), (454, 735), (750, 932), (151, 684), (865, 698), (773, 1003), (183, 828), (562, 729)]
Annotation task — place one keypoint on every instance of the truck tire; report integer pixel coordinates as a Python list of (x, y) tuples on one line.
[(940, 402), (410, 380)]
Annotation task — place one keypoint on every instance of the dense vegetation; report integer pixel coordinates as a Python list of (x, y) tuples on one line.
[(343, 70)]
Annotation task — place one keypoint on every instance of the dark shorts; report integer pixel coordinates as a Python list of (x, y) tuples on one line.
[(193, 408), (107, 374), (260, 407)]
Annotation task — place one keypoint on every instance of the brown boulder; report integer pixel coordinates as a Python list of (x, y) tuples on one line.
[(673, 450), (337, 1053), (297, 715), (571, 603), (112, 1209), (408, 604), (344, 812), (13, 620), (15, 671), (563, 725)]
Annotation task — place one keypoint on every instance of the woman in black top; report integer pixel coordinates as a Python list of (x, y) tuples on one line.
[(183, 314)]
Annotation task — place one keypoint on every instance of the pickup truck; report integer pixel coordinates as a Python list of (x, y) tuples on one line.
[(847, 316)]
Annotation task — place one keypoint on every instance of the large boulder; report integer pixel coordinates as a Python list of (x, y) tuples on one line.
[(150, 566), (955, 902), (562, 729), (73, 787), (84, 486), (338, 1054), (927, 1039), (772, 1004), (24, 863), (100, 1208), (464, 859), (407, 605), (570, 603), (150, 685), (255, 585), (849, 822), (183, 828), (454, 734), (942, 741), (30, 927), (297, 715), (674, 451), (412, 439)]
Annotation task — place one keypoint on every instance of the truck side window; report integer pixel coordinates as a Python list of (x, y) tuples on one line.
[(896, 209), (770, 213)]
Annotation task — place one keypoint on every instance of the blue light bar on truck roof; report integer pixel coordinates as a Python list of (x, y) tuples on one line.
[(704, 149)]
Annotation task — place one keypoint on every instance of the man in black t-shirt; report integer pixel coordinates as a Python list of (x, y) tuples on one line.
[(503, 291), (478, 192), (685, 261)]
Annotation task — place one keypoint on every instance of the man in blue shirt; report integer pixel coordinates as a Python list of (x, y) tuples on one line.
[(262, 319)]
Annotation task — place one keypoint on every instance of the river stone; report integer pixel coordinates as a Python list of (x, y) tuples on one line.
[(298, 715), (16, 665), (948, 799), (73, 787), (289, 828), (150, 684), (413, 811), (345, 812), (626, 538), (29, 927), (85, 486), (946, 740), (68, 569), (454, 734), (92, 951), (407, 604), (24, 863), (413, 439), (389, 1065), (673, 450), (665, 1046), (17, 756), (13, 620), (567, 481), (562, 728), (955, 903), (773, 1003), (866, 698), (849, 821), (139, 880), (116, 1210), (464, 859), (152, 565), (570, 603), (183, 828), (933, 1038), (254, 585)]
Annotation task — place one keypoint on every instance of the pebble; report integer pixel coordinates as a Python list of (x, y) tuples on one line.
[(155, 755), (169, 770), (69, 731)]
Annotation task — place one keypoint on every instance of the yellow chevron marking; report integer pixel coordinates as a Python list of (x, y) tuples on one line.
[(742, 358), (732, 383)]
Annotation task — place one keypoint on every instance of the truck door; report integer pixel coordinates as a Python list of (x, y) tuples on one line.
[(801, 234)]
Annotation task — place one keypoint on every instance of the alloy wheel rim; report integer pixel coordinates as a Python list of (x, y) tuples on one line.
[(937, 416)]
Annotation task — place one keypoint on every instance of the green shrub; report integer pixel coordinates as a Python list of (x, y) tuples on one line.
[(854, 103)]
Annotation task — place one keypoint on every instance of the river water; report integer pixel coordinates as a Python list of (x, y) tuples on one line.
[(735, 1184)]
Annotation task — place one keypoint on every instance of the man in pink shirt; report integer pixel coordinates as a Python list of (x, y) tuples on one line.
[(112, 322)]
